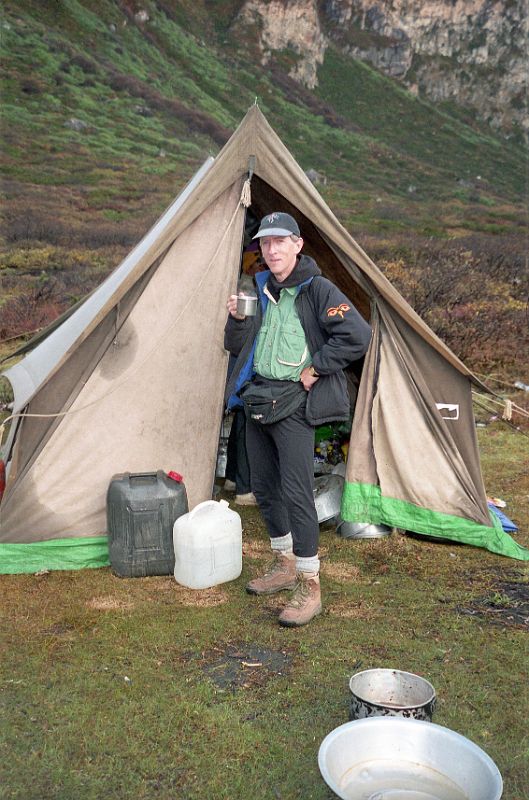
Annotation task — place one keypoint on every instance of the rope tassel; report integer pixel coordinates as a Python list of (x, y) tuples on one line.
[(246, 194)]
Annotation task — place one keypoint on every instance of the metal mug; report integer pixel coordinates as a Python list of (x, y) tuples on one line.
[(246, 305)]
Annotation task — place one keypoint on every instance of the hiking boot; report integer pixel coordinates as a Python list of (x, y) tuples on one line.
[(282, 575), (229, 486), (247, 499), (305, 603)]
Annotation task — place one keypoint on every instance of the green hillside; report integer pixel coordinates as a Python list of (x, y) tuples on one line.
[(108, 112), (160, 95)]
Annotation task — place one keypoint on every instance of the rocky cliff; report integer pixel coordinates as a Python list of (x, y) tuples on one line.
[(470, 52)]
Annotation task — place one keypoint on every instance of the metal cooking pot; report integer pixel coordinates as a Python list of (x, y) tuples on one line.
[(391, 693), (328, 490), (361, 530)]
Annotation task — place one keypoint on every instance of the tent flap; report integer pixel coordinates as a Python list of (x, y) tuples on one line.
[(363, 502)]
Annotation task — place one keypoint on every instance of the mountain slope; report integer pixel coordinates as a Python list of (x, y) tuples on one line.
[(108, 112), (148, 91)]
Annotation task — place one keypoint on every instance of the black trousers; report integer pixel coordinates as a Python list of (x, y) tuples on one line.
[(237, 467), (281, 459)]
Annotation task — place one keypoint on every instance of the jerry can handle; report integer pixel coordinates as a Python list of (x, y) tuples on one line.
[(223, 503), (152, 475)]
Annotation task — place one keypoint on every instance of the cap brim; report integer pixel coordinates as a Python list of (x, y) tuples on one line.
[(274, 232)]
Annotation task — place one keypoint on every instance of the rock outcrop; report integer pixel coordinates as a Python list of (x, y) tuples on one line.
[(470, 52), (288, 26)]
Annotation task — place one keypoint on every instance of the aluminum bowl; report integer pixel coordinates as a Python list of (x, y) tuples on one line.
[(391, 693), (361, 530), (386, 758), (328, 490)]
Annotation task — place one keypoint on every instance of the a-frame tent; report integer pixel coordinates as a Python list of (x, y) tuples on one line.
[(133, 380)]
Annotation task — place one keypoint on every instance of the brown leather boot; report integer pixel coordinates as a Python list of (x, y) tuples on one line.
[(281, 575), (305, 603)]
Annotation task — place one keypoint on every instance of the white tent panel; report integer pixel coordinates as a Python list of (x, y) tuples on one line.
[(177, 322), (29, 374)]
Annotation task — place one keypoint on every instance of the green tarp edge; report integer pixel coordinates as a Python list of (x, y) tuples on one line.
[(363, 502), (82, 553)]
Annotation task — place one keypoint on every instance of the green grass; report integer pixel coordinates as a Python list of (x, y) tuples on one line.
[(114, 688), (421, 136)]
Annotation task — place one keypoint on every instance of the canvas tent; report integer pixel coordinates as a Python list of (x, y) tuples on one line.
[(133, 380)]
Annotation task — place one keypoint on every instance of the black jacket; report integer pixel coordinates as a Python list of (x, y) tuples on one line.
[(336, 335)]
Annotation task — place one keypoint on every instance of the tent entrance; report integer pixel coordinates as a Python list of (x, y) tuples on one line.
[(331, 440), (334, 264), (340, 271)]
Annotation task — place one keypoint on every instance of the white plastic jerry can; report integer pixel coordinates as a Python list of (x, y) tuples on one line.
[(207, 545)]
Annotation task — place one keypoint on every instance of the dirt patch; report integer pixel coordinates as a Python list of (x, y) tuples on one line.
[(200, 598), (256, 549), (109, 603), (166, 591), (340, 571), (348, 610), (507, 604), (242, 666), (59, 629)]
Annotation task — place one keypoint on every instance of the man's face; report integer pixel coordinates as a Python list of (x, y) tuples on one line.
[(280, 253)]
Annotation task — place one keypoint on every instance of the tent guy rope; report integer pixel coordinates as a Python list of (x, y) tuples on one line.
[(508, 405)]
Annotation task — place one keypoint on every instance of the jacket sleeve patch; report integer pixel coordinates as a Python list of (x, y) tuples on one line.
[(340, 310)]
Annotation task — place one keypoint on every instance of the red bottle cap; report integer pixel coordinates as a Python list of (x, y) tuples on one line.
[(175, 476)]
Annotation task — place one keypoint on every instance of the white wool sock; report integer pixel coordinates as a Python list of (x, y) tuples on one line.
[(283, 544), (311, 564)]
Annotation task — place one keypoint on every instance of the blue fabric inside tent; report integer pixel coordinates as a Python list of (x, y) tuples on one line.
[(506, 523)]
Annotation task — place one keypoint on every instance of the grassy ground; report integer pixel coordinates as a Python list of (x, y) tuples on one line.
[(139, 688)]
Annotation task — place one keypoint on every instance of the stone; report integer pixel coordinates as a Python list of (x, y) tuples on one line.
[(316, 177), (76, 124)]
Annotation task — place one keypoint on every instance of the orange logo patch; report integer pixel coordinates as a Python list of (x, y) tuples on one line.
[(341, 309)]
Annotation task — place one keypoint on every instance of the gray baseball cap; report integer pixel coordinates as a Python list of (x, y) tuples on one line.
[(277, 224)]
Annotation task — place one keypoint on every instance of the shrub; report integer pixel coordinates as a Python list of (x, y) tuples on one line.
[(29, 312), (32, 225), (31, 86), (194, 118), (470, 293), (84, 63)]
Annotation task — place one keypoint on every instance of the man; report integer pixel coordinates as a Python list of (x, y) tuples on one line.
[(304, 333), (237, 466)]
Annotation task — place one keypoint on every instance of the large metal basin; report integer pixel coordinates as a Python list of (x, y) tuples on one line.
[(361, 530), (387, 758), (391, 693)]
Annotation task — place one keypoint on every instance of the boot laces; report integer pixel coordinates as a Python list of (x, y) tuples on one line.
[(301, 594), (278, 564)]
